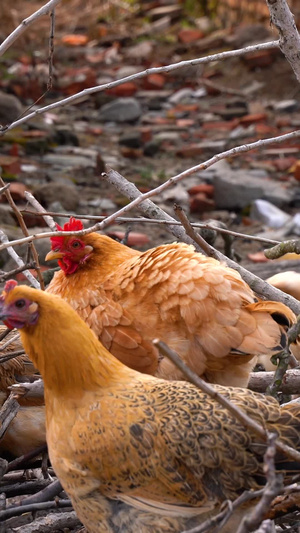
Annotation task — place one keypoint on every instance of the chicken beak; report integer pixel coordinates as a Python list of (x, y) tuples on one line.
[(53, 255)]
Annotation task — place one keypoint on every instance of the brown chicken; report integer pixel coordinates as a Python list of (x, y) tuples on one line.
[(134, 452), (27, 430), (198, 306)]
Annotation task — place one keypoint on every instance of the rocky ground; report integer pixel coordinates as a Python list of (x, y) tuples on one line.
[(151, 129)]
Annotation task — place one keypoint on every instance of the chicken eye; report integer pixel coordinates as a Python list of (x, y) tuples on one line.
[(20, 303), (75, 244)]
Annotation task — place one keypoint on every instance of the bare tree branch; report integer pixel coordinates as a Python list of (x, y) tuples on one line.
[(23, 227), (17, 259), (154, 70), (289, 38), (273, 487), (260, 381), (44, 10)]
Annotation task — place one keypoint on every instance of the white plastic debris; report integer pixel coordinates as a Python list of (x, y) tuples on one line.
[(268, 214)]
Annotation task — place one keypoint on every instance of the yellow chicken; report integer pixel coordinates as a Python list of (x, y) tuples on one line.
[(198, 306), (136, 453)]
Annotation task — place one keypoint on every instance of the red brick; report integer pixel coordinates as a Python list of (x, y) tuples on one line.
[(261, 59), (200, 203), (189, 36), (154, 81), (189, 150), (126, 89), (252, 119), (185, 122), (220, 125), (10, 164), (204, 188), (131, 153)]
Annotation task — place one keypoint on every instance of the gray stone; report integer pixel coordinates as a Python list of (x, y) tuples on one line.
[(235, 189), (10, 108), (140, 50), (6, 217), (128, 70), (121, 110), (185, 94), (67, 195), (69, 161)]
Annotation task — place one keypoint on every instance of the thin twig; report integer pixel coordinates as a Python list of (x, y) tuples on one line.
[(273, 487), (5, 242), (44, 495), (19, 462), (236, 411), (260, 381), (139, 220), (66, 521), (154, 70), (44, 10), (283, 248), (7, 275), (224, 515), (8, 412), (22, 509), (23, 227), (51, 50), (40, 210), (28, 390), (3, 189)]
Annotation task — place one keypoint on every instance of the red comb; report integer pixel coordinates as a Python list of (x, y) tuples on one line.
[(10, 285), (72, 225)]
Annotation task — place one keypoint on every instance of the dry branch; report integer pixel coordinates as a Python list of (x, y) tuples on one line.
[(260, 381), (23, 227), (40, 210), (48, 493), (289, 38), (19, 462), (44, 10), (139, 220), (154, 70), (273, 487), (28, 390), (8, 412), (22, 509), (17, 259), (52, 522), (283, 248)]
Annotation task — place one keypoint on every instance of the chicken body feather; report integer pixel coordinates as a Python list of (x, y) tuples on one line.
[(134, 452), (198, 306)]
